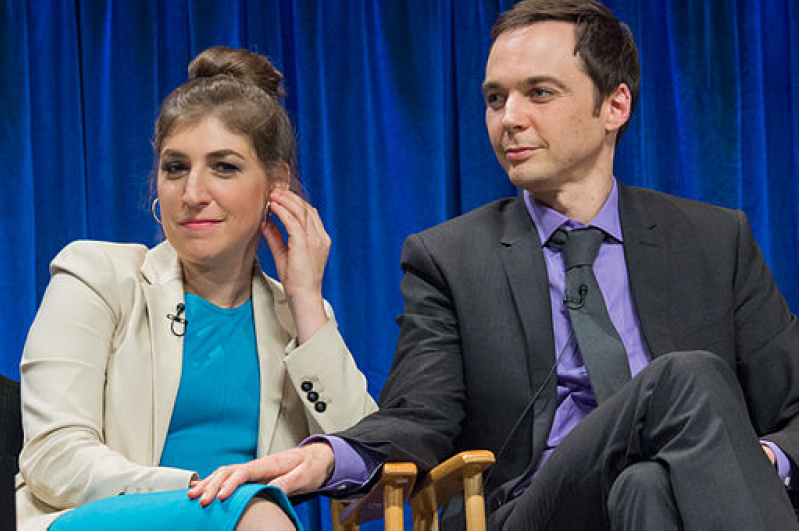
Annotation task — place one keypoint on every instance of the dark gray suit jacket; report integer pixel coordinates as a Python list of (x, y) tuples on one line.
[(476, 341)]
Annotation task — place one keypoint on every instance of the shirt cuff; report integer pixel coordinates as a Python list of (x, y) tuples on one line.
[(783, 464), (354, 467)]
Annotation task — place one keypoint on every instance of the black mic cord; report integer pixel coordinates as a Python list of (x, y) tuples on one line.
[(179, 309), (521, 418)]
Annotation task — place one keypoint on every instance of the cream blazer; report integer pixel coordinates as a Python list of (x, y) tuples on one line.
[(101, 368)]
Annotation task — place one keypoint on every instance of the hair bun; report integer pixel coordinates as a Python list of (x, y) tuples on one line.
[(240, 64)]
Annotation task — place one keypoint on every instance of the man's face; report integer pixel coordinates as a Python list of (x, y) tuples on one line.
[(540, 110)]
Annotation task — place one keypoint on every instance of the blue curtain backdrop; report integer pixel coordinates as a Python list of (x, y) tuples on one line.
[(385, 97)]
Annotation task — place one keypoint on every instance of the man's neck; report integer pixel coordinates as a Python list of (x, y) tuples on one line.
[(577, 201)]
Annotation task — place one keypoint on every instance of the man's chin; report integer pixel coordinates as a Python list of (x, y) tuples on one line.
[(528, 180)]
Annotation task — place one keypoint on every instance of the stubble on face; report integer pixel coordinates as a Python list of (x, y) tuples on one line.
[(541, 112)]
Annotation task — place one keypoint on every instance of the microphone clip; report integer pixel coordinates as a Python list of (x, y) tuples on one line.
[(575, 303), (181, 322)]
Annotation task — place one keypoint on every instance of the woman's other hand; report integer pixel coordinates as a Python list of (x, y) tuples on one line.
[(294, 471), (300, 263)]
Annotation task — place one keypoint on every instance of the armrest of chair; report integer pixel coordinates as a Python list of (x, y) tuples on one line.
[(463, 472), (384, 500)]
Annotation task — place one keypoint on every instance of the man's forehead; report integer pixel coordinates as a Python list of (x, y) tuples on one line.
[(540, 49)]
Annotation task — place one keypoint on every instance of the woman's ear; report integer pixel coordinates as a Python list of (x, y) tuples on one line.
[(280, 176)]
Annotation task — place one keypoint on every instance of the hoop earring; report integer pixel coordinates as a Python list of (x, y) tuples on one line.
[(268, 213), (155, 202)]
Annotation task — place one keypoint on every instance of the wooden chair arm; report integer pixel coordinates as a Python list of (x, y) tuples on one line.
[(384, 500), (463, 472)]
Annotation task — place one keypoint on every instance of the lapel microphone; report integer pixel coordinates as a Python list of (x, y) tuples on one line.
[(181, 322)]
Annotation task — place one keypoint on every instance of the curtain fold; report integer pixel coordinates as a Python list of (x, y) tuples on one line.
[(385, 97)]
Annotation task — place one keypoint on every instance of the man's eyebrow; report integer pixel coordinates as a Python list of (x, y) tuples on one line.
[(545, 80), (490, 85), (529, 82)]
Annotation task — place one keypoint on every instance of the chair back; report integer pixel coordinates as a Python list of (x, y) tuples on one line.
[(10, 446)]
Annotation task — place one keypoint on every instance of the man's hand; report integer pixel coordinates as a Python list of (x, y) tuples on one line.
[(294, 471)]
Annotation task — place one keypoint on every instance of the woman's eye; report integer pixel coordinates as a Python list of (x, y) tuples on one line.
[(225, 168), (173, 169)]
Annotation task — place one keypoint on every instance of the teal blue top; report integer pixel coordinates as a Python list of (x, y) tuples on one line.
[(214, 423), (215, 419)]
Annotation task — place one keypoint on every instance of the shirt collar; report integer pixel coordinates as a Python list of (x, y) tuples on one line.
[(547, 220)]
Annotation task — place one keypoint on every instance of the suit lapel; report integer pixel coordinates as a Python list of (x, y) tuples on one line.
[(648, 264), (523, 262), (526, 271), (163, 289)]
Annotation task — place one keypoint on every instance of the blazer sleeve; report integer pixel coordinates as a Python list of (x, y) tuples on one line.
[(64, 460), (325, 377), (423, 401), (767, 342)]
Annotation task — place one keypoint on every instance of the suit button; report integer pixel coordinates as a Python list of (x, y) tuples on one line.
[(320, 407), (313, 396), (495, 504), (306, 386)]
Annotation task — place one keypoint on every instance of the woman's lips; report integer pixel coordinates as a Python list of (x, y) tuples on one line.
[(199, 224)]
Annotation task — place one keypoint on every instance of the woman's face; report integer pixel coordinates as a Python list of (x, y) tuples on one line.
[(213, 192)]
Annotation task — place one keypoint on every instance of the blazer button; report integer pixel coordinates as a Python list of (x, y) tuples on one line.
[(313, 396), (495, 504), (320, 407), (306, 386)]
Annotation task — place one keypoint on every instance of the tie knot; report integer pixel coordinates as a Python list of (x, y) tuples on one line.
[(579, 246)]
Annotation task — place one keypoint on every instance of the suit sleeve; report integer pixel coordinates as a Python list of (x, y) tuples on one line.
[(64, 461), (767, 340), (422, 402)]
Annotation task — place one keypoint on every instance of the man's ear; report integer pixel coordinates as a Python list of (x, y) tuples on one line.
[(618, 106)]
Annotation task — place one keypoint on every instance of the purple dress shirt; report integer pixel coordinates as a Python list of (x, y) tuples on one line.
[(575, 398)]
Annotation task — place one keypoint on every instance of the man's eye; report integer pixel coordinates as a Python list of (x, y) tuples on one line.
[(494, 100), (225, 168), (541, 93)]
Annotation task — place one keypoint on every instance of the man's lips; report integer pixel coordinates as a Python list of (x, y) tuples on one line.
[(519, 153)]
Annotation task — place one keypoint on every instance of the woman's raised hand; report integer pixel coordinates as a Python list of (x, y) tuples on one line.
[(301, 261)]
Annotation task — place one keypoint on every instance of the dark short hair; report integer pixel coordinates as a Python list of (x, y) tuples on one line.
[(242, 90), (604, 44)]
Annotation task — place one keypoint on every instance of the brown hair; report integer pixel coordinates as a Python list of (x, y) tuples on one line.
[(603, 43), (242, 90)]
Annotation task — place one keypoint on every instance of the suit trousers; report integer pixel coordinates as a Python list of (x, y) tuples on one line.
[(686, 414)]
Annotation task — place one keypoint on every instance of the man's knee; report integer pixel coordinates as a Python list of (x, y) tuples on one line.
[(692, 366), (642, 498), (691, 362), (641, 477)]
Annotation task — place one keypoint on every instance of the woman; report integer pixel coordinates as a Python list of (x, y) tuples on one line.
[(147, 369)]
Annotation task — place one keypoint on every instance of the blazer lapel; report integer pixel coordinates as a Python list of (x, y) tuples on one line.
[(648, 265), (274, 328), (163, 290)]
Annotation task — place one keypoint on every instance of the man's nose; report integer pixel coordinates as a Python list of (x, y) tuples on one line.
[(515, 113)]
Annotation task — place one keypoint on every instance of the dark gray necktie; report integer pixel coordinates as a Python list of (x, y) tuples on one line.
[(603, 352)]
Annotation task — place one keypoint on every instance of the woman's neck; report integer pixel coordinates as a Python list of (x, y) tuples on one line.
[(226, 287)]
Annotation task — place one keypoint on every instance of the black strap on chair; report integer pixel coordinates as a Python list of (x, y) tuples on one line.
[(10, 446)]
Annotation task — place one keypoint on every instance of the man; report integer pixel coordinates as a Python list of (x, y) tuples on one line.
[(695, 428)]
